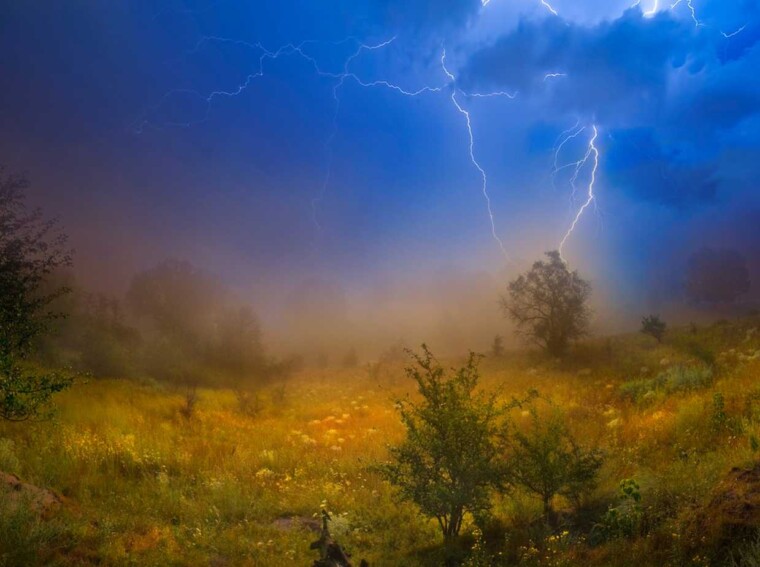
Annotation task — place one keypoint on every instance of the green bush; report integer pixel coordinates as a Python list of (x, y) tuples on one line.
[(676, 379), (545, 459), (623, 520), (448, 464)]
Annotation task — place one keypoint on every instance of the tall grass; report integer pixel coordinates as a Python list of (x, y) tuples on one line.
[(146, 485)]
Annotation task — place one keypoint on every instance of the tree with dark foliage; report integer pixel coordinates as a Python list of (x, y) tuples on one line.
[(654, 327), (31, 249), (716, 276), (549, 304)]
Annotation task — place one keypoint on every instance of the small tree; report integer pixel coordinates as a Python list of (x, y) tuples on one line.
[(654, 327), (31, 249), (497, 347), (545, 459), (449, 461), (548, 304)]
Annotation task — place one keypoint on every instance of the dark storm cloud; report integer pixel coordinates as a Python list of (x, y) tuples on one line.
[(605, 67), (662, 88), (637, 164), (418, 15)]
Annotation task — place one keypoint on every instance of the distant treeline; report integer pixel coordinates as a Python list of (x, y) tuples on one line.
[(175, 324)]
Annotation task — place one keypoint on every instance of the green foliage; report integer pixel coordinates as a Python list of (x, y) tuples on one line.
[(449, 462), (623, 520), (549, 305), (720, 420), (700, 352), (94, 338), (654, 327), (8, 460), (747, 555), (682, 378), (31, 249), (195, 331), (545, 459), (677, 378)]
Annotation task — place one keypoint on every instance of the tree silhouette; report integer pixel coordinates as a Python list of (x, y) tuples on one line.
[(548, 304), (31, 249)]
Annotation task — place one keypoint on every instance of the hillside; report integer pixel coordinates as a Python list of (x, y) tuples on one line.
[(242, 482)]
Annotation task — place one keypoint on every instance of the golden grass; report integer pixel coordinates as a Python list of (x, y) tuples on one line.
[(146, 486)]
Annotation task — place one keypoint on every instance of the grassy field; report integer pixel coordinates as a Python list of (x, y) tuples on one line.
[(145, 485)]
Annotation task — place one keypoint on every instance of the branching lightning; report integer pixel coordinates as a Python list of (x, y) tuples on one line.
[(693, 11), (339, 79), (563, 139), (592, 153), (656, 7), (474, 160), (450, 86)]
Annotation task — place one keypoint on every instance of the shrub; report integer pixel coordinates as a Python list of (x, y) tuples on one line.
[(623, 520), (249, 403), (546, 460), (687, 378), (654, 327), (449, 462), (675, 379)]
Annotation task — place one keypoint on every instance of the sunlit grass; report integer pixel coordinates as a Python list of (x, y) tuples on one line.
[(145, 485)]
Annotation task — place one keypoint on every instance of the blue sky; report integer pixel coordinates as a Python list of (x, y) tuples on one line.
[(105, 105)]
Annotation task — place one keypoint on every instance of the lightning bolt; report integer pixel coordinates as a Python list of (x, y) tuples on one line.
[(484, 177), (296, 50), (653, 10), (554, 76), (340, 78), (592, 153), (549, 7), (693, 11), (656, 6), (563, 139), (544, 3), (733, 33)]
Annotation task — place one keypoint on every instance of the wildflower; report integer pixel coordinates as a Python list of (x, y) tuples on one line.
[(264, 474)]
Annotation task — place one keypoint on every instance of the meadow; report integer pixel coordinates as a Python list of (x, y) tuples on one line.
[(231, 483)]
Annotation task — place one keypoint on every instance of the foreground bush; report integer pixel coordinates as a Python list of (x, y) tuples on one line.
[(449, 462)]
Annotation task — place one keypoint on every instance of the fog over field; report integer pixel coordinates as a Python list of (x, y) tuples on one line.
[(369, 283)]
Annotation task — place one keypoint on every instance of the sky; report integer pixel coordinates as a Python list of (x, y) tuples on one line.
[(280, 143)]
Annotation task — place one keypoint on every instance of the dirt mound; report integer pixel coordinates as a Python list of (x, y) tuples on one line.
[(17, 493), (732, 513)]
